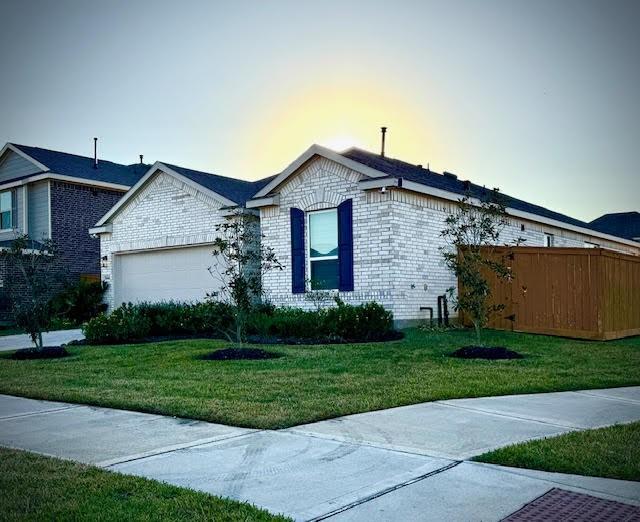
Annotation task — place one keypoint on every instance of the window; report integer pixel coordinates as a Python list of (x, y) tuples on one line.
[(323, 249), (548, 240), (6, 203)]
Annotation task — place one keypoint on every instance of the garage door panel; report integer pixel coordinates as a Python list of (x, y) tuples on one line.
[(179, 274)]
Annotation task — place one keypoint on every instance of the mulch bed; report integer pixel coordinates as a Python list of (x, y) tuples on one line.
[(486, 352), (228, 354), (47, 352)]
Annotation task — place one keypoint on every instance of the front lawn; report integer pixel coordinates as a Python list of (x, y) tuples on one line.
[(43, 488), (316, 382), (612, 452)]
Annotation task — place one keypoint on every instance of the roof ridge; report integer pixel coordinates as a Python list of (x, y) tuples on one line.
[(20, 146), (213, 174)]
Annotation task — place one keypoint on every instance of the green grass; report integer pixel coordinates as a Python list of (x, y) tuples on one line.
[(10, 331), (316, 382), (33, 487), (612, 452)]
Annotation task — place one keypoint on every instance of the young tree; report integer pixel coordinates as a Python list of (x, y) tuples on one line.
[(38, 276), (472, 234), (242, 260)]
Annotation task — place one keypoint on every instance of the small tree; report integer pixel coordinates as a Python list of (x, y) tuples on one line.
[(38, 275), (472, 234), (242, 260)]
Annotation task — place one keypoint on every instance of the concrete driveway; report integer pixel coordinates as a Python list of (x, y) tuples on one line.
[(55, 338), (400, 464)]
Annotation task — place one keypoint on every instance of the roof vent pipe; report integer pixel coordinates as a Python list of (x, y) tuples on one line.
[(384, 131), (95, 153), (141, 156)]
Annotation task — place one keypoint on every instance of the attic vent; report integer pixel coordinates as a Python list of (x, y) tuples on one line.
[(449, 175)]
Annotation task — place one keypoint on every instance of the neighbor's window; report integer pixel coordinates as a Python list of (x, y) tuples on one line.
[(323, 249), (5, 210), (548, 240)]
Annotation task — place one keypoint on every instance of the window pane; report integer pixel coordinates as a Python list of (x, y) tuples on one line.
[(5, 201), (5, 220), (324, 274), (323, 234)]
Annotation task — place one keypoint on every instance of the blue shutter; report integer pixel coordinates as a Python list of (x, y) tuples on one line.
[(345, 245), (297, 250)]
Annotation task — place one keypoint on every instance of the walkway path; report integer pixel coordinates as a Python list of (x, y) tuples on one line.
[(401, 464), (55, 338)]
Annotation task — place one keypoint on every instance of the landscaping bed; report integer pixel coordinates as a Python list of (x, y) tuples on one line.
[(312, 383), (46, 352), (612, 452), (43, 488)]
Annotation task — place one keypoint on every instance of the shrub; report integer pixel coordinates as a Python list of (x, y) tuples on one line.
[(79, 302), (135, 322)]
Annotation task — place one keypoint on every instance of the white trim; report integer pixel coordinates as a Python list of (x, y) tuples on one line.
[(264, 202), (307, 215), (158, 166), (13, 148), (107, 229), (317, 150), (67, 179), (368, 184)]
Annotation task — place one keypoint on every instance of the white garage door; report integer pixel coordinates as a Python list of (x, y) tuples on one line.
[(178, 274)]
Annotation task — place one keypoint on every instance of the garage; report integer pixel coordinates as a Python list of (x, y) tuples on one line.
[(175, 274)]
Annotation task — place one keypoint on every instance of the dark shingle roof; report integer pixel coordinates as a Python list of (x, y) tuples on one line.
[(237, 190), (82, 166), (417, 174), (621, 224)]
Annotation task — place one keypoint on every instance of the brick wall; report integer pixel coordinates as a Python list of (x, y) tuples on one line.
[(397, 257), (166, 213), (74, 210)]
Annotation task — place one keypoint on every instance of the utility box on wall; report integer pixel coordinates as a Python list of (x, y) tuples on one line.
[(586, 293)]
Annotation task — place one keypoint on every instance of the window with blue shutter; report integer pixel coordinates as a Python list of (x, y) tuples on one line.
[(297, 250), (345, 245)]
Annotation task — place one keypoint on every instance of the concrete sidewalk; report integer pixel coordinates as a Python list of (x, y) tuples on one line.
[(55, 338), (399, 464)]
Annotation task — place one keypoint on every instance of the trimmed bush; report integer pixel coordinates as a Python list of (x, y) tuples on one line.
[(79, 302), (342, 323)]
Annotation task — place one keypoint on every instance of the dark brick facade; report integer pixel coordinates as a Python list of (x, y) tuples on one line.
[(74, 210)]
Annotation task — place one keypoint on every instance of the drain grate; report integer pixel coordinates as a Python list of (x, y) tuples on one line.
[(559, 505)]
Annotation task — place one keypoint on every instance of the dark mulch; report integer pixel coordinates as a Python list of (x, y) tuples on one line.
[(486, 352), (227, 354), (273, 339), (47, 352)]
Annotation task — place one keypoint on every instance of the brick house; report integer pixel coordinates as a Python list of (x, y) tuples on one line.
[(54, 195), (361, 224)]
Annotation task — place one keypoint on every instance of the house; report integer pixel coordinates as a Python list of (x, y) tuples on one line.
[(54, 195), (621, 224), (156, 242), (359, 223)]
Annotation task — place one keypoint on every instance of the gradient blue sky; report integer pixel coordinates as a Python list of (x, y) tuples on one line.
[(540, 98)]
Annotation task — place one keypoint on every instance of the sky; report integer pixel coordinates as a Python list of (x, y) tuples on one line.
[(540, 98)]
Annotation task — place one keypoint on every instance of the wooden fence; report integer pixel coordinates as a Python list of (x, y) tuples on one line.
[(587, 293)]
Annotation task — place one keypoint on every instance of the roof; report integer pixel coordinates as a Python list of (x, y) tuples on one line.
[(401, 169), (236, 190), (82, 166), (622, 224)]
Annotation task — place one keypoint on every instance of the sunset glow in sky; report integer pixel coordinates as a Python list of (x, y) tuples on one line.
[(537, 98)]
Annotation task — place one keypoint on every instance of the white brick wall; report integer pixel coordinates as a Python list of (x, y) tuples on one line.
[(166, 213), (397, 261)]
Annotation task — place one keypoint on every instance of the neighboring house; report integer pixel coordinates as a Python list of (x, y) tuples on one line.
[(361, 224), (156, 243), (621, 224), (55, 195)]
